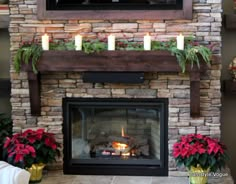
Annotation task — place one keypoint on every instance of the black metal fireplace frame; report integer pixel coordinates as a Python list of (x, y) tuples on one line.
[(72, 166)]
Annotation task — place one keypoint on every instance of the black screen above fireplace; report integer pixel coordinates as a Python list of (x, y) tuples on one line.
[(114, 4), (115, 136)]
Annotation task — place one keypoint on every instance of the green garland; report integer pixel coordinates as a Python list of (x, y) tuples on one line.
[(28, 52), (190, 55)]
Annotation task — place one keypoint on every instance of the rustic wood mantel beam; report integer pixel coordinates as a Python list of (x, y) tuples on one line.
[(111, 61), (34, 92), (195, 94)]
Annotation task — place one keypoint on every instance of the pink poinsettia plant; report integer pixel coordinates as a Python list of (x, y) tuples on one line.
[(199, 150), (29, 147)]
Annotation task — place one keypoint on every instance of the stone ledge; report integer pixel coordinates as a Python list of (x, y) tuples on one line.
[(53, 177)]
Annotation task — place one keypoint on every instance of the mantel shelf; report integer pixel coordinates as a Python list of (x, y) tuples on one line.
[(111, 61)]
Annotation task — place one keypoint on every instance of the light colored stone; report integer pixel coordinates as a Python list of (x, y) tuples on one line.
[(205, 25), (187, 130), (124, 26), (20, 91), (141, 92)]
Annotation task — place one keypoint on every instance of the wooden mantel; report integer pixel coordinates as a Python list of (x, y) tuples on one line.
[(112, 61)]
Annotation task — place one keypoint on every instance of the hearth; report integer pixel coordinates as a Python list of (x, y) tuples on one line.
[(115, 136)]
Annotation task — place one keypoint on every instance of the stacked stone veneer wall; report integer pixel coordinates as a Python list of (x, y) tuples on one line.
[(205, 25)]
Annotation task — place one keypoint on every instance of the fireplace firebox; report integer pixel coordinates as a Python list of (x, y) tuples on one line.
[(115, 136)]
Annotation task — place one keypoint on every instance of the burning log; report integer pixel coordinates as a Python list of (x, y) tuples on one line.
[(115, 145), (120, 147), (104, 144)]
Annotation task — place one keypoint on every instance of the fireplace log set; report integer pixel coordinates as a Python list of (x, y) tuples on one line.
[(113, 146)]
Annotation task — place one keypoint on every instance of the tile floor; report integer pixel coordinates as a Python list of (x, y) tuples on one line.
[(56, 177)]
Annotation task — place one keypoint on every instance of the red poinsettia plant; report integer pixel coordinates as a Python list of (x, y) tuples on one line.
[(199, 150), (29, 147)]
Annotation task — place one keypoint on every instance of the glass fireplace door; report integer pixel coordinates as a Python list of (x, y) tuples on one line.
[(115, 136), (115, 133)]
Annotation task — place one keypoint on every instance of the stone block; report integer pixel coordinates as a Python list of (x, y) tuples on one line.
[(176, 27), (141, 92), (158, 84), (20, 91), (118, 91), (54, 102), (99, 92), (124, 26), (187, 130)]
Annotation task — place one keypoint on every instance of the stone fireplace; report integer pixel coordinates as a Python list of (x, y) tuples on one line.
[(174, 87), (115, 136)]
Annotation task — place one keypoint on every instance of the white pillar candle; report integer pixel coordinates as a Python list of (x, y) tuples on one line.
[(78, 42), (180, 42), (111, 42), (45, 42), (147, 42)]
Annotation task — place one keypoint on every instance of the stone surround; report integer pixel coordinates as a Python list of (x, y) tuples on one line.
[(205, 26)]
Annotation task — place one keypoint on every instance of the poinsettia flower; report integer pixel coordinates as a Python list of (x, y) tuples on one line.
[(212, 146), (30, 148), (193, 150), (40, 130), (199, 136), (31, 139), (200, 148), (11, 154), (47, 142), (16, 136), (31, 144), (50, 143), (184, 153), (176, 153), (191, 146), (53, 146), (27, 132), (18, 158)]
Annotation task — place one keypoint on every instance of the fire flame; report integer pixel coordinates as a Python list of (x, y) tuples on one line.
[(119, 146), (122, 132)]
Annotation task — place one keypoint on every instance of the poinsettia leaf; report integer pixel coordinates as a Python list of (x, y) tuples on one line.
[(197, 156), (45, 151), (203, 159), (212, 161)]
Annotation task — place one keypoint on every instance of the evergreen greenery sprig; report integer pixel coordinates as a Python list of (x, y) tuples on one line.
[(61, 45), (29, 51), (91, 46), (192, 53), (126, 45)]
